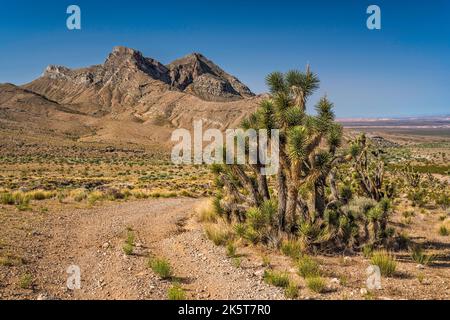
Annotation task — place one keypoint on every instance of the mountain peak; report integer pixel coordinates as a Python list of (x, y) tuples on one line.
[(128, 70)]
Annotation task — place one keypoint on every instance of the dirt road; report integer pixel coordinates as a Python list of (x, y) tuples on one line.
[(93, 239)]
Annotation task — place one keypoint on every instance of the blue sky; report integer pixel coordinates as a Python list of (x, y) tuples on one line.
[(401, 70)]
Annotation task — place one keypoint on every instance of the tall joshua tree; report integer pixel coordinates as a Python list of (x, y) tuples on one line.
[(308, 146)]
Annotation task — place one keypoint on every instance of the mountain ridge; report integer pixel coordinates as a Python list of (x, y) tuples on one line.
[(127, 98)]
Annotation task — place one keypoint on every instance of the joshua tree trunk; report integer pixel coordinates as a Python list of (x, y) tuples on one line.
[(291, 205), (319, 197), (333, 187), (261, 180), (282, 196)]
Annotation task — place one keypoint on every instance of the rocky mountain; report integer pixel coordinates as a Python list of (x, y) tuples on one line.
[(198, 75), (127, 79), (128, 98)]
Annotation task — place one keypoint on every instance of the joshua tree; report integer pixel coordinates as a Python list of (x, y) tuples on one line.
[(308, 146), (369, 168)]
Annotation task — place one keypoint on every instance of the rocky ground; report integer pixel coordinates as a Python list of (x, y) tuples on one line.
[(43, 244), (93, 239)]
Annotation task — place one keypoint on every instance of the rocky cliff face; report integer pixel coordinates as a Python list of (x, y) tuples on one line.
[(200, 76), (128, 79)]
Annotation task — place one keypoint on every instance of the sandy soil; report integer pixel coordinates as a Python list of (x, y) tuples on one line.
[(93, 239)]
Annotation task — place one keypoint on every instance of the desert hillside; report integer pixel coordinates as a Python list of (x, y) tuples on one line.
[(127, 99)]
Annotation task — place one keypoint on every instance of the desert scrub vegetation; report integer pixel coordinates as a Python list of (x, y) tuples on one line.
[(219, 235), (161, 267), (128, 246), (308, 267), (206, 212), (324, 197), (176, 292), (291, 291), (292, 248), (231, 249), (385, 261), (316, 284), (276, 278), (63, 176), (10, 260), (418, 255), (26, 281), (444, 231)]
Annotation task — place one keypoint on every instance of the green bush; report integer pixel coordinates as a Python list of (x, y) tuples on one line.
[(231, 249), (443, 231), (419, 256), (385, 261), (217, 236), (315, 284), (291, 291), (278, 279), (176, 292), (26, 281), (308, 267), (161, 267), (291, 249)]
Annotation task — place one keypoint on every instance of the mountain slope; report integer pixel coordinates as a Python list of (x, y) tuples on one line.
[(128, 98), (128, 79)]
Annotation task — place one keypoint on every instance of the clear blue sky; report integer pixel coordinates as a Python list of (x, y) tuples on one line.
[(403, 69)]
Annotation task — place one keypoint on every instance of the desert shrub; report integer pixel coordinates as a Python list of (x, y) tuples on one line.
[(252, 235), (40, 195), (206, 213), (291, 291), (367, 250), (291, 249), (237, 262), (265, 260), (443, 200), (315, 284), (79, 195), (308, 267), (443, 231), (21, 198), (26, 281), (217, 206), (231, 249), (417, 196), (7, 198), (139, 194), (240, 229), (345, 193), (176, 292), (419, 256), (128, 246), (217, 235), (167, 195), (385, 261), (278, 279), (161, 267), (403, 241), (9, 260), (94, 197), (128, 249)]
